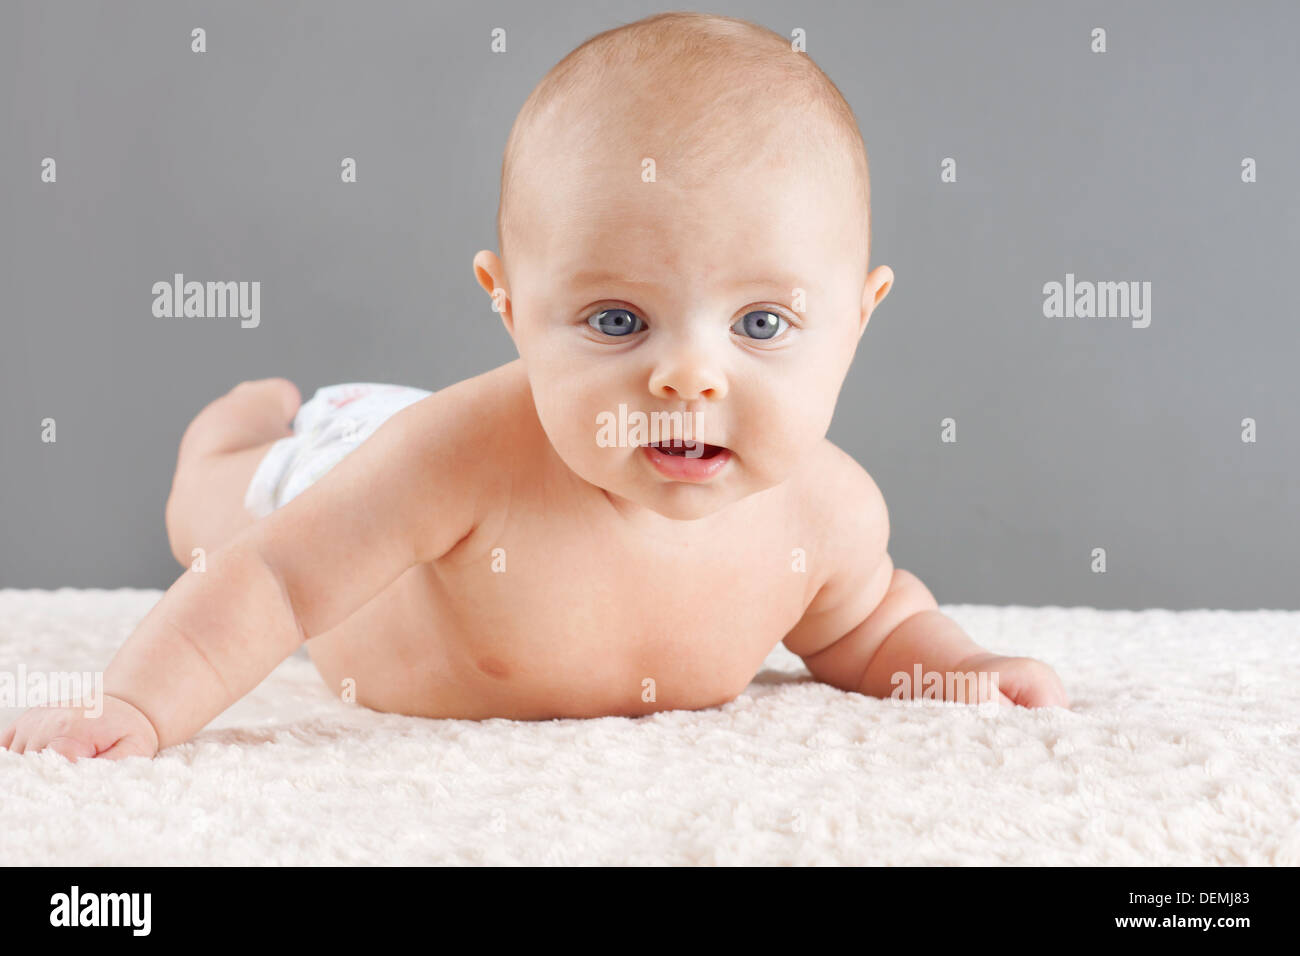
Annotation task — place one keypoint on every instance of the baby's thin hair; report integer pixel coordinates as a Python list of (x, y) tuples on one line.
[(748, 71)]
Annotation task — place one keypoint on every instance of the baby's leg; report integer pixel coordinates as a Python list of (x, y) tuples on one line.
[(219, 452)]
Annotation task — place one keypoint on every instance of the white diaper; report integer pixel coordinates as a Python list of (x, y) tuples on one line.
[(328, 427)]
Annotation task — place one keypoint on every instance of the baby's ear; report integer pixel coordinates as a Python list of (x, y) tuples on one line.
[(879, 281), (491, 275)]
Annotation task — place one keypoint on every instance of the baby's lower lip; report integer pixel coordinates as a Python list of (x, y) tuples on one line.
[(686, 462)]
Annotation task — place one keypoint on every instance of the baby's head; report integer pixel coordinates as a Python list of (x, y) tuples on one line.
[(684, 227)]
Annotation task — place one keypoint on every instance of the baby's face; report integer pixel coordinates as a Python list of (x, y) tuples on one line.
[(742, 300)]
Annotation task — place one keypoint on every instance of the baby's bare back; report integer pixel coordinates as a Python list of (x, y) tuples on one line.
[(558, 605)]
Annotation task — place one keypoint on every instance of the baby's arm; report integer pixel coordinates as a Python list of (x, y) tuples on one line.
[(870, 622), (400, 498)]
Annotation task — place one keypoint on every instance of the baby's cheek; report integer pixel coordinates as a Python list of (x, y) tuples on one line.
[(818, 406), (780, 446), (811, 404)]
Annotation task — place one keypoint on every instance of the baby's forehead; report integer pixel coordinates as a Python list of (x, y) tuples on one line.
[(657, 248), (630, 200)]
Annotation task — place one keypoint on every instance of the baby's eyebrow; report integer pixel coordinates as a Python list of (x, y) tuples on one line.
[(590, 277), (598, 277)]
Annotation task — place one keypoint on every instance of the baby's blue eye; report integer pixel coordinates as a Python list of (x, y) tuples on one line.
[(615, 322), (760, 324)]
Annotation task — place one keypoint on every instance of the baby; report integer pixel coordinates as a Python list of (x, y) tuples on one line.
[(629, 516)]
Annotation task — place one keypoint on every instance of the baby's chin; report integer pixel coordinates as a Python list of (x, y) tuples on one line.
[(685, 500), (679, 502), (631, 485)]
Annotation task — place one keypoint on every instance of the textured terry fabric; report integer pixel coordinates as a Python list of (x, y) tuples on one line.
[(1181, 746)]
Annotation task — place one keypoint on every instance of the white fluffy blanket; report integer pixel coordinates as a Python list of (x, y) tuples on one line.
[(1182, 746)]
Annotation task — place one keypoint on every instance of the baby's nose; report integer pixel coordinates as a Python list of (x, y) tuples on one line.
[(686, 376)]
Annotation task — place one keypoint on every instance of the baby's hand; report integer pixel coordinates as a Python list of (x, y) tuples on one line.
[(120, 730), (1026, 681)]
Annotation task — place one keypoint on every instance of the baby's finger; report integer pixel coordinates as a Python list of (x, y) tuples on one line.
[(1031, 683), (7, 737), (1044, 692), (129, 746), (1047, 695), (71, 747)]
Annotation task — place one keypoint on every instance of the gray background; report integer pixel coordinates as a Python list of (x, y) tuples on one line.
[(1072, 433)]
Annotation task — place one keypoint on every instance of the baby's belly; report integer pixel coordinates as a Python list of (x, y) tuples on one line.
[(419, 649)]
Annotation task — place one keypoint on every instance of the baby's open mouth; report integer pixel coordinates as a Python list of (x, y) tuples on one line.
[(687, 449)]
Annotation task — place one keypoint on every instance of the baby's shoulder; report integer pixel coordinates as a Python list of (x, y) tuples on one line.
[(842, 504), (461, 439), (473, 416)]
